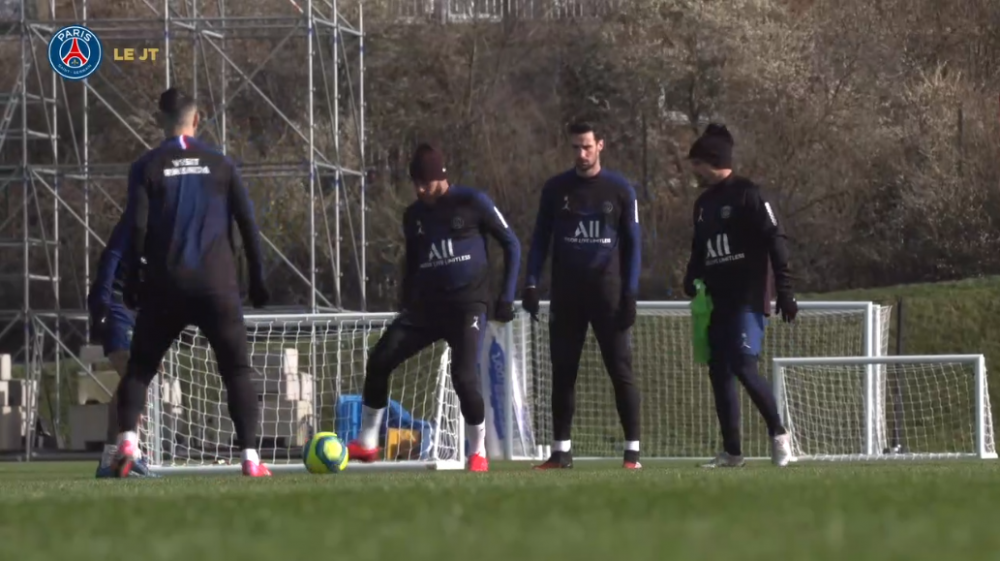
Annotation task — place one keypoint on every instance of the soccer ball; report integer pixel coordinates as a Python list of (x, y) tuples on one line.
[(324, 453)]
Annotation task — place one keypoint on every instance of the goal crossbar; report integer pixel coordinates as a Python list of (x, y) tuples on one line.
[(971, 372)]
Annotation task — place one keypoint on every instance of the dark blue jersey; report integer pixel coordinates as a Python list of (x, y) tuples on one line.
[(447, 263), (592, 224), (108, 281), (736, 235), (181, 209)]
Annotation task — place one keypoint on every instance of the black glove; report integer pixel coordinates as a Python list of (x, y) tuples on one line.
[(503, 311), (529, 301), (98, 321), (626, 312), (689, 288), (788, 308), (134, 284), (259, 295)]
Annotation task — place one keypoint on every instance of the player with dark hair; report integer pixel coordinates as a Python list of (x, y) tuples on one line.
[(590, 215), (445, 296), (736, 240), (112, 323), (180, 271)]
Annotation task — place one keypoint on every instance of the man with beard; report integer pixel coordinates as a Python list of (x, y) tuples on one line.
[(590, 216)]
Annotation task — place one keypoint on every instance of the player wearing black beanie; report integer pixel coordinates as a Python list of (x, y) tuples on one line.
[(737, 242)]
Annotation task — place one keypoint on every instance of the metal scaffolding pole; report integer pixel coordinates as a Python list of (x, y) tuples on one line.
[(68, 178)]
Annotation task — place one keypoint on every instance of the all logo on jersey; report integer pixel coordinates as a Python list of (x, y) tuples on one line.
[(717, 250), (442, 253), (589, 232), (75, 52)]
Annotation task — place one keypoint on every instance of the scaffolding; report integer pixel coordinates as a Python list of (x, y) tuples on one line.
[(280, 85)]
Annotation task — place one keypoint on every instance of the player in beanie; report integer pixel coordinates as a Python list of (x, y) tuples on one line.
[(445, 296), (737, 242)]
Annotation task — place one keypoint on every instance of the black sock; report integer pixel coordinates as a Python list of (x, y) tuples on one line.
[(131, 395), (628, 403), (727, 406), (243, 408), (761, 393)]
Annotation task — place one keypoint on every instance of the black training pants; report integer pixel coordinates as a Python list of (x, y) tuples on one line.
[(463, 330), (568, 322), (157, 326)]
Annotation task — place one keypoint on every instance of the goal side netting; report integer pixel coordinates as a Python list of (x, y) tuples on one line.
[(308, 371), (678, 412), (885, 408)]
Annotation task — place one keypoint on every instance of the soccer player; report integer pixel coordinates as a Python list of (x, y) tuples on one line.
[(736, 240), (111, 323), (180, 271), (591, 217), (445, 296)]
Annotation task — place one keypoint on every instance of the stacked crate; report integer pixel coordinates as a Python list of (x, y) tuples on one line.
[(286, 398), (16, 399)]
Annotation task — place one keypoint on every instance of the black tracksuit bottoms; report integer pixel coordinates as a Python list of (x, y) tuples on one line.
[(159, 322), (568, 322)]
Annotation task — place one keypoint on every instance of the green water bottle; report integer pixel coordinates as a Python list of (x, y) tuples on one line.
[(701, 314)]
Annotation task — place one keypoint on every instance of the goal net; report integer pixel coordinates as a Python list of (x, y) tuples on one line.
[(678, 411), (886, 408), (308, 371)]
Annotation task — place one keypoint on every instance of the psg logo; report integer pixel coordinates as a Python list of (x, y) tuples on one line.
[(75, 52)]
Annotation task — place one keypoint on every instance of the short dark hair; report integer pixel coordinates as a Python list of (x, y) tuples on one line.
[(175, 103), (583, 127)]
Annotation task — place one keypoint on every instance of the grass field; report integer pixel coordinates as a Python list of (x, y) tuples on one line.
[(596, 512)]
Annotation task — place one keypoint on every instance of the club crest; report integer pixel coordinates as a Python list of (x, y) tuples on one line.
[(457, 223), (565, 203), (725, 211), (607, 207)]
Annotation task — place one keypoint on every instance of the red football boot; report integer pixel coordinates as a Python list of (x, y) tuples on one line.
[(355, 451), (255, 469), (478, 462)]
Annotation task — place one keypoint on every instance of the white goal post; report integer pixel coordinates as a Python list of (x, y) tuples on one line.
[(678, 411), (309, 372), (886, 408)]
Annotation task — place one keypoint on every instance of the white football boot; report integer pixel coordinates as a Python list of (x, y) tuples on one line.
[(781, 450), (725, 460)]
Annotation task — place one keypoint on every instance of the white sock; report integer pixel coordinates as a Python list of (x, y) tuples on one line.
[(371, 422), (250, 455), (560, 446), (477, 438), (108, 454), (632, 445)]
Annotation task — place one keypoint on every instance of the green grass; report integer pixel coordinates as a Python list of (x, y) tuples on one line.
[(596, 512)]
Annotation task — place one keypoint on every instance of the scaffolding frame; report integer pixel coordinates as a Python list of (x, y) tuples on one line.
[(42, 165)]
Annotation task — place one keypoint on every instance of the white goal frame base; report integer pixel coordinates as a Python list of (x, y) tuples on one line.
[(875, 406), (405, 465)]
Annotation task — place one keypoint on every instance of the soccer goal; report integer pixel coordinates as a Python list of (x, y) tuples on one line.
[(678, 411), (308, 371), (886, 408)]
